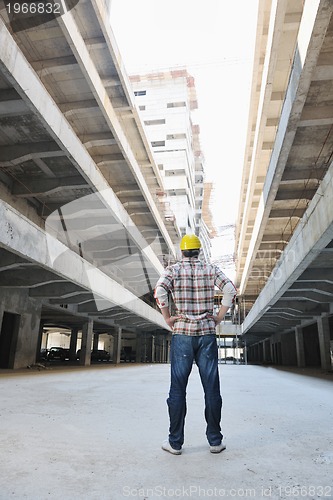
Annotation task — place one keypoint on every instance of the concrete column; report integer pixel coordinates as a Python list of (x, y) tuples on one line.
[(152, 349), (271, 351), (260, 352), (20, 317), (109, 344), (27, 335), (117, 345), (264, 352), (138, 348), (95, 341), (39, 342), (73, 344), (168, 345), (245, 353), (299, 337), (324, 342), (163, 349), (1, 313), (87, 334)]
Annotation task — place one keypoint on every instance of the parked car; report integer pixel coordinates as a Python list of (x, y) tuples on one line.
[(58, 353), (96, 355), (127, 354), (100, 355), (43, 355)]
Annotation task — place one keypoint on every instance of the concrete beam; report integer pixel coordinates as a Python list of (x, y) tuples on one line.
[(295, 194), (97, 42), (316, 116), (104, 159), (24, 152), (73, 299), (299, 307), (24, 278), (41, 187), (55, 65), (77, 105), (97, 140), (77, 213), (55, 290), (280, 213), (312, 296), (13, 108), (11, 261), (44, 167), (9, 95), (294, 173), (24, 238), (315, 275), (318, 287)]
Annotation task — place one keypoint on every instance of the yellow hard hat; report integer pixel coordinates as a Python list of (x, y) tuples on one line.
[(190, 242)]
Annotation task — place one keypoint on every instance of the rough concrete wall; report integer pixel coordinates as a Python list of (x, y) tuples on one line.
[(25, 345)]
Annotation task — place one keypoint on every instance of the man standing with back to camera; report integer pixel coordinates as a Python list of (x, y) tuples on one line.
[(192, 284)]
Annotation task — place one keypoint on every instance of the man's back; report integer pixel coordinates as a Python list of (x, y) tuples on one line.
[(192, 286)]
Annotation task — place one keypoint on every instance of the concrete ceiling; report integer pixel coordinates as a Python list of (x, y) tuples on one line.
[(285, 175)]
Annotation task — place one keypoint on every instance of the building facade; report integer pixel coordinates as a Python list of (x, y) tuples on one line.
[(166, 101)]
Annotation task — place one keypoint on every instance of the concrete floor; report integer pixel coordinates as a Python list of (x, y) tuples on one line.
[(95, 434)]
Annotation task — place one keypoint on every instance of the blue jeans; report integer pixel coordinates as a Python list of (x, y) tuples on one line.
[(203, 350)]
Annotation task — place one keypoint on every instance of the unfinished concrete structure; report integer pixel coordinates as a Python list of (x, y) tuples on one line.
[(285, 225), (83, 234)]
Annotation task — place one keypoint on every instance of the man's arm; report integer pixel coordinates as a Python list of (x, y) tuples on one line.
[(170, 320), (229, 293), (220, 315), (162, 300)]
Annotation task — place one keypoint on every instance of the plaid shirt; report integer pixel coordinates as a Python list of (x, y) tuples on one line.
[(192, 286)]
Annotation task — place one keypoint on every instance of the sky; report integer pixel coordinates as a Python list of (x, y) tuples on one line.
[(215, 40)]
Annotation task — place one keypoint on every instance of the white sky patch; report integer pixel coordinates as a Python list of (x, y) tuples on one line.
[(215, 40)]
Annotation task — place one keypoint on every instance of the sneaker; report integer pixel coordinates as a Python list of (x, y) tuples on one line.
[(218, 448), (167, 447)]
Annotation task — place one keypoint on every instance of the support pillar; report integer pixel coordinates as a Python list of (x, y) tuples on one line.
[(39, 342), (117, 345), (324, 342), (299, 337), (264, 352), (73, 344), (163, 349), (168, 347), (1, 313), (138, 348), (87, 334), (27, 337), (95, 341), (20, 318), (152, 349)]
